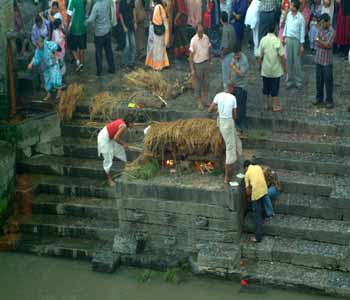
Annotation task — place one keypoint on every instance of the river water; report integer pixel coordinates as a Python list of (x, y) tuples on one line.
[(27, 277)]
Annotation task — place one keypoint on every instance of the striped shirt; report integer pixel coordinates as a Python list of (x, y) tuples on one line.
[(268, 5), (324, 56)]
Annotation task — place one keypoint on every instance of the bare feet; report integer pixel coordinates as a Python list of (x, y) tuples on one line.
[(47, 97), (226, 180), (111, 183)]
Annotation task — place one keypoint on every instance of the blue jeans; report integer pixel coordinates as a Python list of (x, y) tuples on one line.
[(129, 52), (268, 206), (272, 192), (225, 66), (258, 207)]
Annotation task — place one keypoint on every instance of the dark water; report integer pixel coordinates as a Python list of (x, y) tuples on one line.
[(26, 277)]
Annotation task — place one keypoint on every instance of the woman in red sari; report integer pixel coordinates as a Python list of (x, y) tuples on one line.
[(180, 14), (342, 31)]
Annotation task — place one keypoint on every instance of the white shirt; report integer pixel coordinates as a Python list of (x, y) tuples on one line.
[(226, 103)]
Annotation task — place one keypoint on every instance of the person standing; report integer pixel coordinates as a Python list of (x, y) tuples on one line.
[(238, 11), (256, 191), (102, 19), (158, 39), (342, 37), (77, 31), (140, 33), (200, 61), (294, 37), (41, 28), (110, 143), (181, 41), (324, 62), (214, 30), (225, 104), (59, 38), (273, 65), (238, 76), (228, 43), (128, 19), (252, 20), (267, 16)]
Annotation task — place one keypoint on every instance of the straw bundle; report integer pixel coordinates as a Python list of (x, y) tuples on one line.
[(68, 101), (105, 103), (184, 137), (152, 81)]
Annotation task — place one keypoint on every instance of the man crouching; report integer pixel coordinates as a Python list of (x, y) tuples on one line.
[(110, 143)]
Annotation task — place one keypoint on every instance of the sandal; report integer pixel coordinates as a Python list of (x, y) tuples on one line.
[(253, 239)]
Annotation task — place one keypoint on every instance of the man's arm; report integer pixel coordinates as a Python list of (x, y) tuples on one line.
[(92, 16), (234, 114), (190, 59), (121, 7), (118, 135), (213, 108), (134, 17), (302, 35)]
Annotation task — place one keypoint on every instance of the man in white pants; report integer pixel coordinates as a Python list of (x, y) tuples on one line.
[(226, 105), (110, 143)]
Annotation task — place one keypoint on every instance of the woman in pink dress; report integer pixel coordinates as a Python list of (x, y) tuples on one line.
[(342, 31)]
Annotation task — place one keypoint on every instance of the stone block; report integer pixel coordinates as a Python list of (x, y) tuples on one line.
[(124, 245), (105, 261)]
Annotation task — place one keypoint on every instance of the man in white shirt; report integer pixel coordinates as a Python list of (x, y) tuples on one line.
[(226, 105)]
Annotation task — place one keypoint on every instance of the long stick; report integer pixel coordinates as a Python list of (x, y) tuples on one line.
[(161, 99)]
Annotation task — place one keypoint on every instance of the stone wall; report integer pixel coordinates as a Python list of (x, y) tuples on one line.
[(7, 177), (32, 135), (6, 25), (161, 225)]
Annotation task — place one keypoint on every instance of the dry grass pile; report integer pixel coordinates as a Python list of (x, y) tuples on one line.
[(152, 81), (184, 137), (68, 101), (104, 104)]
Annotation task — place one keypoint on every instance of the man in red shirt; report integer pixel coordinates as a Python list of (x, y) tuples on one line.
[(110, 143)]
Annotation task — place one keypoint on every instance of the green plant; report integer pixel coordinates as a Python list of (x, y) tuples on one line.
[(145, 276), (178, 274), (145, 171)]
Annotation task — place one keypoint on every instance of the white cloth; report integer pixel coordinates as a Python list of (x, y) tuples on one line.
[(109, 149), (228, 132), (252, 20), (226, 103)]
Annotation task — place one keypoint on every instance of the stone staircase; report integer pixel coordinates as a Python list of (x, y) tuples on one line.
[(307, 243), (73, 211)]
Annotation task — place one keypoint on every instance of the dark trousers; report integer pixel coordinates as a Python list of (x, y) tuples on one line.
[(119, 35), (241, 97), (258, 206), (266, 19), (104, 42), (324, 77)]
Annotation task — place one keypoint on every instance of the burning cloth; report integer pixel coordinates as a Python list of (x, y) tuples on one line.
[(109, 148)]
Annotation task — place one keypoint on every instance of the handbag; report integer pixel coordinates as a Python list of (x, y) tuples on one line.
[(159, 29)]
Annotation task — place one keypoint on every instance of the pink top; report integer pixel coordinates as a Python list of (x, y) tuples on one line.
[(58, 38), (114, 127), (200, 48)]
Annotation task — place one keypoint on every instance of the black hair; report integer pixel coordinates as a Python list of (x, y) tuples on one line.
[(128, 119), (296, 3), (272, 28), (158, 2), (38, 20), (247, 163), (199, 24), (224, 16), (57, 23), (325, 17), (237, 48), (55, 4)]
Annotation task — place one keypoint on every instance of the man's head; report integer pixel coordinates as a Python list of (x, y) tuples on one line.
[(246, 165), (325, 20), (327, 3), (294, 5), (129, 120), (224, 17), (230, 88), (200, 30), (272, 28), (57, 23), (237, 52), (40, 42), (55, 7), (38, 21)]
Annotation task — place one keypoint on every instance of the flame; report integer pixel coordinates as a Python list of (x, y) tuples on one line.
[(169, 162), (203, 166)]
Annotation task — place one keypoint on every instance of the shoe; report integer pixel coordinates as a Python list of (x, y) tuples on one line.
[(111, 71), (79, 68), (317, 103), (329, 105)]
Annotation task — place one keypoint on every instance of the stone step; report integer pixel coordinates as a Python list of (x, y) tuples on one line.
[(66, 166), (305, 162), (89, 130), (71, 186), (67, 247), (309, 206), (64, 226), (84, 207), (314, 143), (298, 252), (305, 183), (82, 148), (296, 227), (297, 277)]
